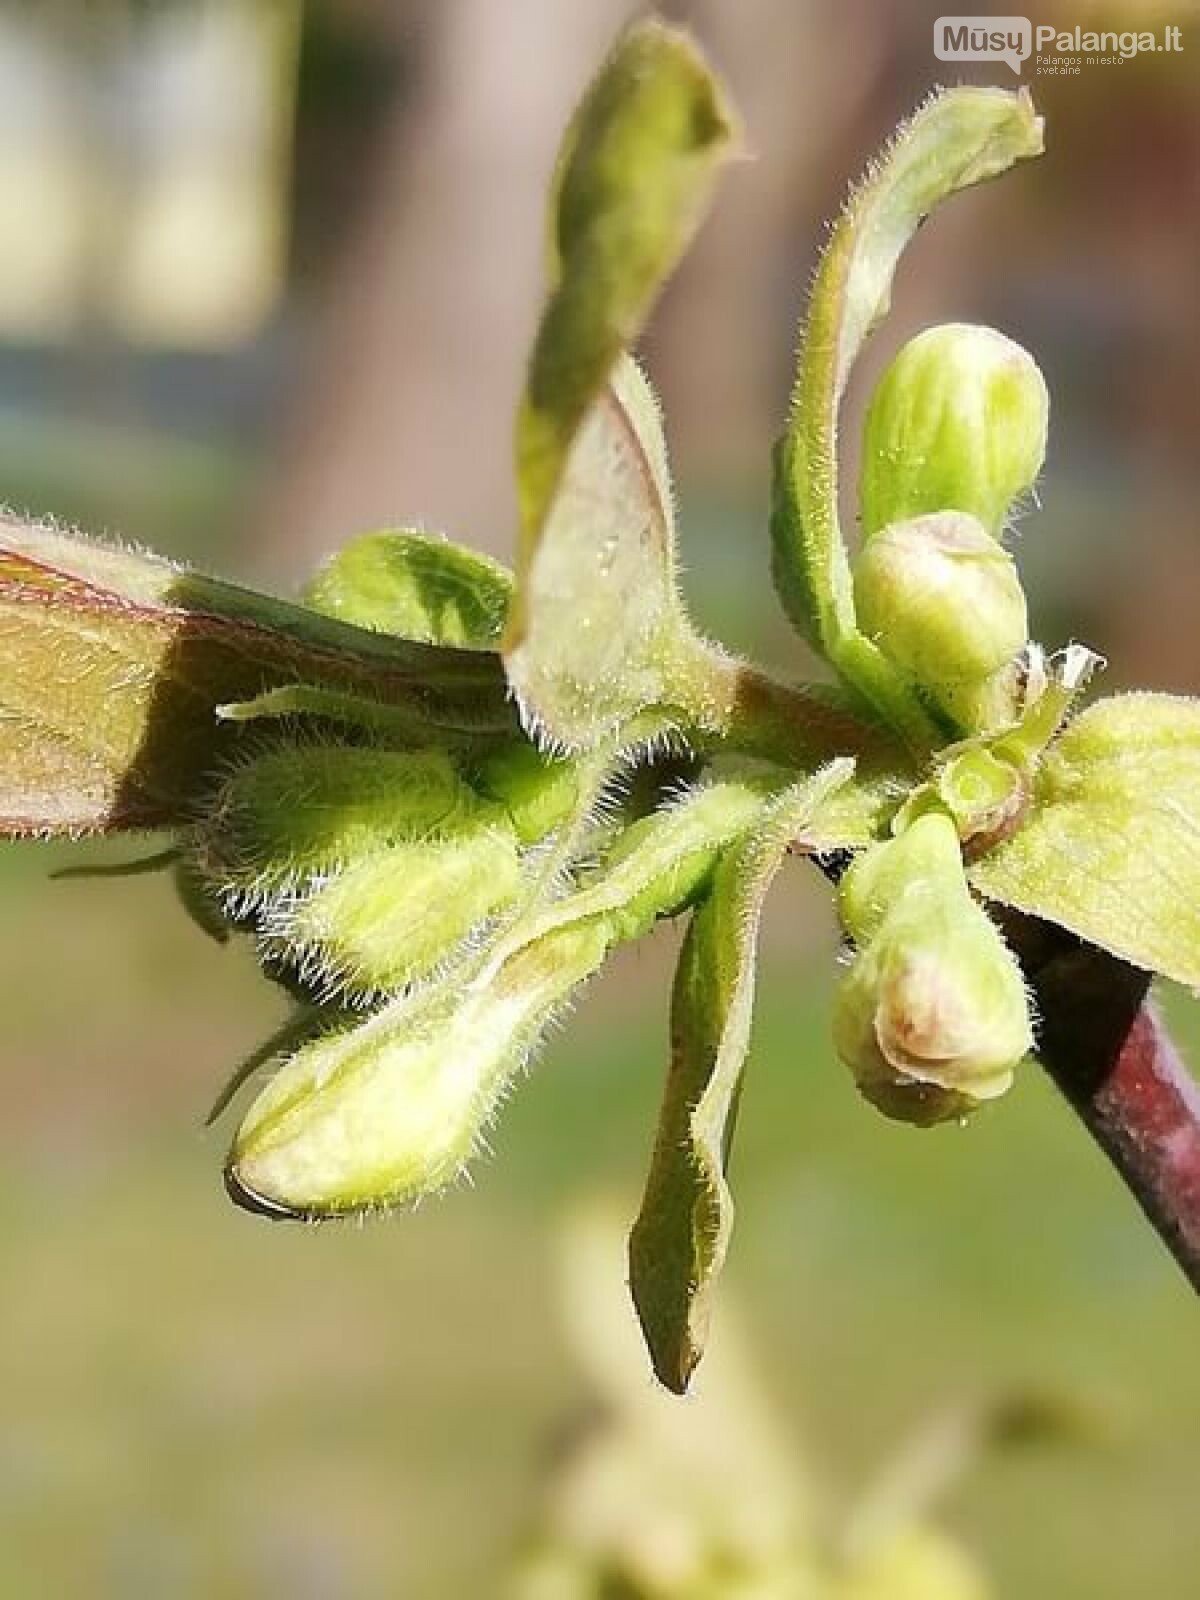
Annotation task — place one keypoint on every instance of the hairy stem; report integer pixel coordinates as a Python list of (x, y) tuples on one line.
[(1108, 1051)]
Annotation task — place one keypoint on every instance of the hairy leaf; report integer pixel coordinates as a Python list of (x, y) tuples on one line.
[(679, 1241), (958, 139), (1112, 848), (597, 633), (637, 171), (112, 663), (605, 638)]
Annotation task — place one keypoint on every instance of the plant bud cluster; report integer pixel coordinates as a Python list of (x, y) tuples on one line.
[(955, 435)]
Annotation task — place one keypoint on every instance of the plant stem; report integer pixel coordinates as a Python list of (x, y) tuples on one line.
[(1109, 1052), (800, 725)]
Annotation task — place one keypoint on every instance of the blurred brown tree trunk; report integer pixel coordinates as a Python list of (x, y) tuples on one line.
[(403, 411)]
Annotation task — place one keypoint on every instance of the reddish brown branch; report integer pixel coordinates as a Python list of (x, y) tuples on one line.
[(1108, 1051)]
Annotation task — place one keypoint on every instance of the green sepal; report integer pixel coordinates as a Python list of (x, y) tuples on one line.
[(112, 665), (681, 1236), (1111, 846), (417, 586)]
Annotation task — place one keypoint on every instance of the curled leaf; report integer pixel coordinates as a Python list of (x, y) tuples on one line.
[(597, 634), (637, 171), (1111, 847), (681, 1236)]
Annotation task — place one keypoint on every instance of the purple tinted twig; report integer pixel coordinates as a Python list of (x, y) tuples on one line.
[(1108, 1051)]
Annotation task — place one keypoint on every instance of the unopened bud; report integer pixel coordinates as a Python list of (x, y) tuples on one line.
[(415, 585), (932, 1017), (392, 1109), (360, 869), (956, 423), (941, 598), (297, 810)]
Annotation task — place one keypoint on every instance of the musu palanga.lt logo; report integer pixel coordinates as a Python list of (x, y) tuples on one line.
[(1013, 39)]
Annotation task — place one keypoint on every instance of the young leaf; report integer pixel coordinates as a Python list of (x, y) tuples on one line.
[(958, 139), (112, 664), (1111, 850), (679, 1241), (597, 633), (604, 636), (637, 172), (417, 586)]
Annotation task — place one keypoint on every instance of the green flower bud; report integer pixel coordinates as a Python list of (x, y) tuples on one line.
[(385, 1112), (942, 599), (295, 811), (361, 869), (956, 423), (932, 1016), (415, 585), (388, 920)]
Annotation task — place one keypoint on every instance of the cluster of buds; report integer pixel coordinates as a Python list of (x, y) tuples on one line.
[(361, 869), (431, 905), (933, 1014), (955, 435)]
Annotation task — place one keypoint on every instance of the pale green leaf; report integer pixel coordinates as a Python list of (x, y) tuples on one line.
[(681, 1236), (957, 139), (112, 664), (1111, 850), (597, 634), (604, 637), (639, 164)]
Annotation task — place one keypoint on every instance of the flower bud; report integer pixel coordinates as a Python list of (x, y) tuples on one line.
[(956, 423), (392, 1109), (388, 920), (941, 598), (361, 869), (932, 1017), (295, 811), (415, 585)]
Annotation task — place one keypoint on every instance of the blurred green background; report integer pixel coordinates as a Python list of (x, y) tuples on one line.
[(270, 272)]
